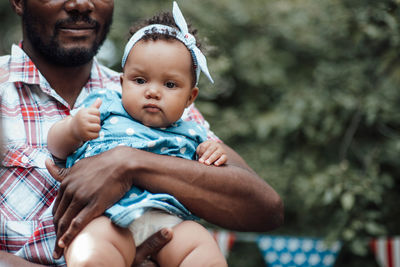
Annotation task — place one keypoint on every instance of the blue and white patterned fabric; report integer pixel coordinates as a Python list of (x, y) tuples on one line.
[(119, 129), (283, 251)]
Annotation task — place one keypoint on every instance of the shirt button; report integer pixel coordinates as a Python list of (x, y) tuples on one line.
[(25, 159)]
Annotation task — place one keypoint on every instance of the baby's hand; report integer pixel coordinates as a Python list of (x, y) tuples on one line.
[(86, 123), (211, 152)]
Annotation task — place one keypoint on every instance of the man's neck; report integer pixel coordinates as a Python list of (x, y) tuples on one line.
[(66, 81)]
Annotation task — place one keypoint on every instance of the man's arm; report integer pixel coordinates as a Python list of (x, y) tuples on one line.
[(10, 260), (231, 196)]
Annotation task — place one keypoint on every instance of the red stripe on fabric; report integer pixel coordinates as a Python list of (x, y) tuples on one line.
[(32, 71), (232, 239), (36, 244), (389, 252), (37, 247), (63, 109), (31, 66), (30, 115), (27, 112), (11, 179), (195, 115), (46, 189), (36, 234), (4, 75), (372, 245)]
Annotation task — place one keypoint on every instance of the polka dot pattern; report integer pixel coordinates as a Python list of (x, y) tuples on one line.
[(118, 128), (130, 131)]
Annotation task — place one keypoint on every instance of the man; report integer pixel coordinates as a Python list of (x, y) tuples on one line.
[(46, 77)]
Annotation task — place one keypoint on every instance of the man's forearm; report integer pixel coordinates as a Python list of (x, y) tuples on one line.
[(231, 196), (10, 260)]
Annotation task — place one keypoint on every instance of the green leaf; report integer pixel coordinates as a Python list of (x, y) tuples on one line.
[(347, 201)]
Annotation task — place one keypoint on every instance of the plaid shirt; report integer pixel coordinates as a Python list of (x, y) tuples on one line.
[(29, 108)]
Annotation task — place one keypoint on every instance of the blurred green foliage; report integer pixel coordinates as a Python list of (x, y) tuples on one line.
[(308, 93)]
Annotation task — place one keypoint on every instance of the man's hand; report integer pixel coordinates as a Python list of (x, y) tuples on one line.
[(86, 123), (150, 247), (231, 196), (87, 189)]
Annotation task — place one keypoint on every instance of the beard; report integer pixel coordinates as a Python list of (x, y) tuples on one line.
[(52, 51)]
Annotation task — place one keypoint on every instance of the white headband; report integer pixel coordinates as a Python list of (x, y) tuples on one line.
[(200, 62)]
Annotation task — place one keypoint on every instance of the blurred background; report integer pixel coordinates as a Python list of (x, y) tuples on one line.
[(308, 93)]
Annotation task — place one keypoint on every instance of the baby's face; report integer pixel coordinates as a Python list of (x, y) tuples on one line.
[(157, 82)]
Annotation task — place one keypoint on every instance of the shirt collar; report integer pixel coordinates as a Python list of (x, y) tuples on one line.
[(22, 69)]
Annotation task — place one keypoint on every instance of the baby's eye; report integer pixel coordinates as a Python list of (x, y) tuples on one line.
[(170, 84), (140, 80)]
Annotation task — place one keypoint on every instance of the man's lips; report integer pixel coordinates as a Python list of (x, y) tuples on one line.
[(77, 28)]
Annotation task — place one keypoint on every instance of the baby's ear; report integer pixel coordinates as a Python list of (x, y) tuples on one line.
[(192, 97), (121, 79)]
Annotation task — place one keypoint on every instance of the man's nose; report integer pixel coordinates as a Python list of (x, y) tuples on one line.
[(82, 6)]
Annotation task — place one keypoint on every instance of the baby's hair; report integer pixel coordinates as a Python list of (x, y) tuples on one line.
[(165, 18)]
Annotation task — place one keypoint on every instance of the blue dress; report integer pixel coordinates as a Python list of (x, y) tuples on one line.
[(118, 128)]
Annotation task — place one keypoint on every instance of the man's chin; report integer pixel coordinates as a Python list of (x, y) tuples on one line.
[(73, 57), (75, 45)]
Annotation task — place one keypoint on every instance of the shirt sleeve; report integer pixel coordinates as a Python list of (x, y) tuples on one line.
[(193, 114)]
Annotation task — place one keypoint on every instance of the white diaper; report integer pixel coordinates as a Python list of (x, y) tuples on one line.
[(150, 222)]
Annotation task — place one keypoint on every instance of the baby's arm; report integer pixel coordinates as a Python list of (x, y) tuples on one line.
[(67, 135), (211, 152)]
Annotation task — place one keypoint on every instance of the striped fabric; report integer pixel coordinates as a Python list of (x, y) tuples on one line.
[(387, 251), (29, 106)]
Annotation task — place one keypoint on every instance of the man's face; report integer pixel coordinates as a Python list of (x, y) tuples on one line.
[(67, 33)]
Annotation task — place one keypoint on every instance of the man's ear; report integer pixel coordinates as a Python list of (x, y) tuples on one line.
[(192, 97), (17, 6)]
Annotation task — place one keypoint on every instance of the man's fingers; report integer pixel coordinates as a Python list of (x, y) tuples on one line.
[(67, 232), (55, 171), (63, 201), (75, 225), (59, 175), (58, 252), (152, 245)]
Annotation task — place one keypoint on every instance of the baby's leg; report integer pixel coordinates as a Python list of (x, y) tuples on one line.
[(191, 245), (101, 243)]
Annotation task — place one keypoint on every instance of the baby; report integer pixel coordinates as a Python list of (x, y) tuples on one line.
[(161, 66)]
